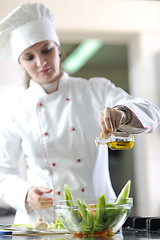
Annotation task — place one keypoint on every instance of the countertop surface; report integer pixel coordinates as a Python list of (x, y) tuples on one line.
[(134, 228), (126, 234)]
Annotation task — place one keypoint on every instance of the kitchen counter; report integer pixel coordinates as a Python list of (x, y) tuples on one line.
[(134, 228), (127, 234)]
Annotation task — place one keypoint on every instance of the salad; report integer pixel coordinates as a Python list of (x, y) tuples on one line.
[(104, 217)]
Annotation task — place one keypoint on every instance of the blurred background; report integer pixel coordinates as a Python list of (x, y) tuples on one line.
[(120, 41)]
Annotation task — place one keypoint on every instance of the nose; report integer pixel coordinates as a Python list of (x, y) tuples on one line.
[(40, 61)]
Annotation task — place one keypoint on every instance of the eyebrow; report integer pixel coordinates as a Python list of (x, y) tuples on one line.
[(46, 44)]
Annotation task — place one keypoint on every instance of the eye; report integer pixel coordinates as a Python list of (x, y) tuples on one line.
[(46, 50), (29, 57)]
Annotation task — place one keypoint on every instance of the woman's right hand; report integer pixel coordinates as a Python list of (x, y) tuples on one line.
[(35, 198), (110, 120)]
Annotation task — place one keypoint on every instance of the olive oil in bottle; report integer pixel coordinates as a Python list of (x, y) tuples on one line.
[(120, 145), (117, 141)]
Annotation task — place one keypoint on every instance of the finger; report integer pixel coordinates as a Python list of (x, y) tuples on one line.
[(113, 119), (104, 128), (118, 119), (36, 199), (46, 205), (117, 123), (42, 205), (45, 200), (102, 121), (44, 190), (107, 120)]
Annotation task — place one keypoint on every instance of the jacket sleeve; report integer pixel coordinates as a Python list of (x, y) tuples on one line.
[(145, 115), (13, 188)]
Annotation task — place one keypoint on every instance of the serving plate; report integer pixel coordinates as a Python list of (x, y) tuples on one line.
[(7, 229)]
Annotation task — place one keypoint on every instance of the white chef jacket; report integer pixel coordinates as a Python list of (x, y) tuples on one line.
[(56, 133)]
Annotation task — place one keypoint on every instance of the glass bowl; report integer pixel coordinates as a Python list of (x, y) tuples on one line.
[(87, 218)]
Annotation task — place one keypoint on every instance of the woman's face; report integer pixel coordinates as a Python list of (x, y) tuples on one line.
[(42, 62)]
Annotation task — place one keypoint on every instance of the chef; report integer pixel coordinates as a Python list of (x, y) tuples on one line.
[(56, 119)]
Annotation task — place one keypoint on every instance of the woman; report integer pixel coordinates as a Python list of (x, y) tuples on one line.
[(56, 119)]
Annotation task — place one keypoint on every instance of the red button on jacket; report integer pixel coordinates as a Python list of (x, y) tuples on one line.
[(40, 104)]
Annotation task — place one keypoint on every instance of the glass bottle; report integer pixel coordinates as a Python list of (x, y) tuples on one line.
[(117, 141)]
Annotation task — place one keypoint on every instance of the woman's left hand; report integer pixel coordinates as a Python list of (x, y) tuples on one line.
[(110, 120), (35, 199)]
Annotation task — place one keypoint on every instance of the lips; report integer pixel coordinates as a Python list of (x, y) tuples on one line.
[(46, 70)]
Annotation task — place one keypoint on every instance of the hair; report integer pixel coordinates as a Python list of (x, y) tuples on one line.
[(26, 79)]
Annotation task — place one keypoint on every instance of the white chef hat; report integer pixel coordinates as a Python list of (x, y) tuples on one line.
[(25, 26)]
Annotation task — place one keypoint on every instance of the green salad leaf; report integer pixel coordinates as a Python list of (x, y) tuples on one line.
[(58, 224), (124, 193), (95, 218), (68, 196), (98, 220)]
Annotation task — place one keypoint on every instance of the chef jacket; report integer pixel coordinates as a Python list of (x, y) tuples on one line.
[(56, 133)]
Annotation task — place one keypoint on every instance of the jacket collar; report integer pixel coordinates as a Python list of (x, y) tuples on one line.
[(39, 91)]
